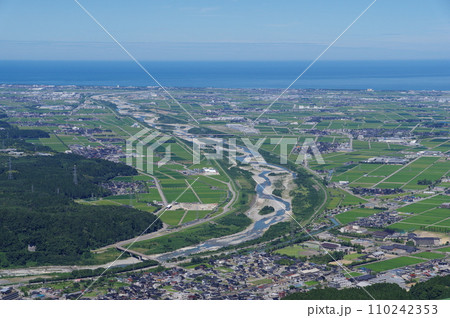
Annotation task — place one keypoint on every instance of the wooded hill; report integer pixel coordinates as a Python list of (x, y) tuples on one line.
[(435, 288), (37, 208)]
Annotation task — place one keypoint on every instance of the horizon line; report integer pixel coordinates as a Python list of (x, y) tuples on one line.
[(231, 60)]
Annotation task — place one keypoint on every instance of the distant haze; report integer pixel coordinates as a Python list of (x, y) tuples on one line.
[(225, 30)]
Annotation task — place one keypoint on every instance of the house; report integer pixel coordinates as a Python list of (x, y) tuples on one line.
[(325, 236), (387, 160), (363, 277), (9, 294), (380, 235), (339, 282), (378, 255), (427, 241), (309, 271), (399, 249), (363, 242), (353, 229), (210, 171)]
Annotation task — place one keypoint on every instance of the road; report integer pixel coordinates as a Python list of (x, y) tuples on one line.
[(158, 186), (166, 230)]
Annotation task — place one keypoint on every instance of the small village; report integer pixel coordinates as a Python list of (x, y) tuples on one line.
[(257, 275)]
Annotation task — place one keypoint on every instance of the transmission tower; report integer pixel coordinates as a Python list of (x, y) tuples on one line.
[(131, 197), (75, 177), (293, 227), (10, 176)]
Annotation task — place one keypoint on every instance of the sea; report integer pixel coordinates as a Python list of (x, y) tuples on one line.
[(377, 75)]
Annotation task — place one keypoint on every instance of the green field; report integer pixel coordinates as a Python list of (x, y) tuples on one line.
[(379, 175), (392, 263), (340, 198), (354, 214), (311, 283), (429, 255), (194, 215), (103, 257), (262, 281), (352, 256), (426, 216), (444, 249), (291, 250), (172, 217), (411, 170)]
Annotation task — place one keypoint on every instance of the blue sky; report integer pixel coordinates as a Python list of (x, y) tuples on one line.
[(224, 30)]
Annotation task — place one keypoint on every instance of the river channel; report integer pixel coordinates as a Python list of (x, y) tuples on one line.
[(254, 231)]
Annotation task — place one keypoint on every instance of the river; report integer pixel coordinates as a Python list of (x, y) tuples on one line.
[(254, 231)]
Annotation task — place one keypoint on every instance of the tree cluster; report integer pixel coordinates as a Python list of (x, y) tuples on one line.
[(435, 288), (41, 224)]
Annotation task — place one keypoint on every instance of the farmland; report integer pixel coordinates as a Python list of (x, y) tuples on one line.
[(378, 160), (294, 250), (394, 176), (353, 215), (429, 255), (426, 214), (394, 263)]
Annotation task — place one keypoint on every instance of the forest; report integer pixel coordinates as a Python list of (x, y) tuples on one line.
[(306, 198), (13, 137), (435, 288), (9, 131), (40, 223)]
